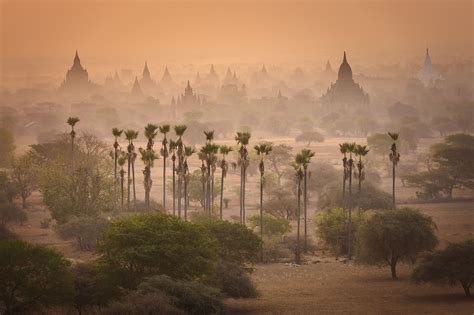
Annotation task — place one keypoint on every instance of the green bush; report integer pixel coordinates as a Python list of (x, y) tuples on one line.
[(192, 297), (370, 198), (85, 230), (233, 281), (32, 277), (6, 234), (136, 303), (236, 242), (332, 228), (392, 236), (452, 265), (143, 245), (272, 225)]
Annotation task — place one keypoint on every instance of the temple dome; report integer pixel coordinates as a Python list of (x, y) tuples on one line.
[(345, 71)]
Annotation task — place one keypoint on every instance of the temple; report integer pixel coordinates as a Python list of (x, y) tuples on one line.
[(187, 101), (148, 85), (77, 78), (230, 93), (428, 75), (136, 91), (345, 93)]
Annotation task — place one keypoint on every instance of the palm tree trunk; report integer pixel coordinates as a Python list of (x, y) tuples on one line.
[(122, 190), (174, 187), (134, 191), (344, 178), (349, 229), (115, 179), (185, 200), (298, 210), (212, 192), (180, 187), (208, 191), (164, 182), (243, 196), (261, 215), (240, 192), (305, 205), (128, 182), (222, 195), (393, 186)]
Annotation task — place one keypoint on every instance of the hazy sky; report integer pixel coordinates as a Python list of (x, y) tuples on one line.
[(40, 36)]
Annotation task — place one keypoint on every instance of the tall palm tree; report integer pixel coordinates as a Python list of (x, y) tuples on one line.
[(262, 150), (188, 152), (360, 151), (209, 154), (394, 158), (209, 138), (179, 130), (307, 154), (173, 160), (351, 150), (202, 158), (343, 149), (131, 135), (242, 139), (164, 129), (121, 162), (300, 159), (150, 134), (72, 121), (148, 157), (117, 133), (224, 150)]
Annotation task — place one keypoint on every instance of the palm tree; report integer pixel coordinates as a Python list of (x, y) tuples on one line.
[(361, 151), (262, 150), (202, 158), (298, 164), (394, 158), (148, 157), (351, 150), (211, 170), (242, 139), (173, 159), (224, 167), (188, 152), (343, 149), (150, 134), (307, 154), (121, 162), (117, 133), (131, 135), (179, 130), (72, 121), (164, 129), (209, 154)]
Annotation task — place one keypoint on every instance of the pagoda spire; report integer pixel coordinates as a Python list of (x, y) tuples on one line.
[(344, 59), (146, 71)]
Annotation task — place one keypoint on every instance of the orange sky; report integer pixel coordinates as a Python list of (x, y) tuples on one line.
[(40, 36)]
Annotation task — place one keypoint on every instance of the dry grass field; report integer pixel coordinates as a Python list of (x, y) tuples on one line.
[(324, 285)]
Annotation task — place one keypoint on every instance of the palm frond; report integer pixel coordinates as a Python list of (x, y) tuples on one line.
[(164, 129), (180, 129), (72, 121), (117, 133)]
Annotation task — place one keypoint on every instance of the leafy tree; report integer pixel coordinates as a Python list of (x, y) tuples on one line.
[(8, 191), (236, 242), (85, 230), (233, 280), (136, 303), (23, 176), (392, 236), (281, 202), (452, 265), (309, 137), (280, 159), (33, 276), (7, 148), (331, 228), (9, 213), (142, 245), (273, 226)]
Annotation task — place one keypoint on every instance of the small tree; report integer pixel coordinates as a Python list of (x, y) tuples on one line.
[(85, 230), (272, 225), (32, 276), (308, 137), (7, 148), (23, 175), (391, 236), (452, 265)]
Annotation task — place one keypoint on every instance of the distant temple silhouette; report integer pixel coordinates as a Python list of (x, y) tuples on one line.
[(230, 93), (428, 75), (77, 78), (345, 93), (147, 84), (187, 101)]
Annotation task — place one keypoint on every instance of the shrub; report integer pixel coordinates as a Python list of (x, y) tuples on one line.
[(275, 249), (154, 206), (192, 297), (236, 242), (332, 228), (454, 264), (85, 230), (33, 276), (391, 236), (136, 303), (6, 234), (370, 198), (272, 225), (233, 281), (9, 213), (45, 223), (308, 137), (143, 245), (281, 202)]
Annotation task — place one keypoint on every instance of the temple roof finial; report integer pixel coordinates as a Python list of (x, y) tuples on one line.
[(344, 59)]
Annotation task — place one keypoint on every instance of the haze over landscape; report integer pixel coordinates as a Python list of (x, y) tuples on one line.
[(236, 157)]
